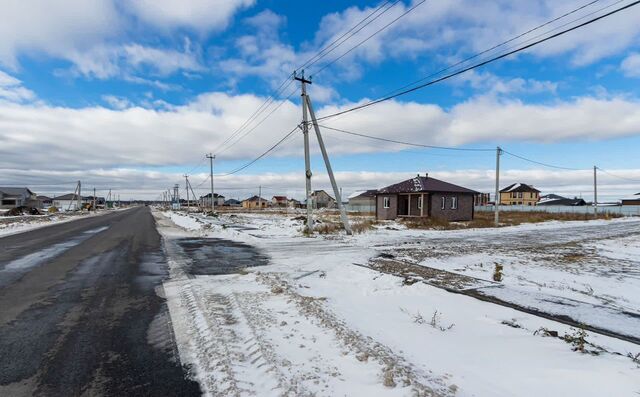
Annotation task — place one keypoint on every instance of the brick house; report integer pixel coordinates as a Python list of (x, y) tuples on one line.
[(279, 201), (425, 197), (322, 199), (255, 202), (519, 194)]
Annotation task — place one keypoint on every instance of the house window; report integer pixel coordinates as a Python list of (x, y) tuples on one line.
[(386, 202), (419, 202), (454, 203), (519, 194), (443, 203)]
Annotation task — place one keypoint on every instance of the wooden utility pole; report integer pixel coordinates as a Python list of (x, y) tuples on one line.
[(211, 157), (307, 157), (94, 200), (496, 217), (309, 106)]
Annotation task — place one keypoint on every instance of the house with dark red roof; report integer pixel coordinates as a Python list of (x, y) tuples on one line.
[(426, 197)]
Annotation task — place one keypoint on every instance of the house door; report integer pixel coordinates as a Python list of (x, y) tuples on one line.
[(403, 205)]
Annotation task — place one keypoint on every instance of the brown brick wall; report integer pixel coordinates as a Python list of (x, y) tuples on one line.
[(463, 213), (387, 213)]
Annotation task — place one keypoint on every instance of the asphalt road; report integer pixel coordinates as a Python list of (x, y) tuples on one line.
[(80, 311)]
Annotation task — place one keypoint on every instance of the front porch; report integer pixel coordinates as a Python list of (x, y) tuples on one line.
[(413, 205)]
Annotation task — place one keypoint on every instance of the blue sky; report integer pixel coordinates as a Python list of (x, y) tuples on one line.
[(131, 94)]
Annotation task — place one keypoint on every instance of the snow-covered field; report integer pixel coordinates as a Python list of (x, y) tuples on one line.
[(313, 323)]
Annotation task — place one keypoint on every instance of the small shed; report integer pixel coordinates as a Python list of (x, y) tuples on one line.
[(425, 197)]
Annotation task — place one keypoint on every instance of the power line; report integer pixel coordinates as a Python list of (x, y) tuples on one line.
[(370, 36), (541, 163), (480, 64), (261, 109), (269, 101), (618, 176), (259, 123), (506, 42), (406, 143), (262, 155), (322, 53)]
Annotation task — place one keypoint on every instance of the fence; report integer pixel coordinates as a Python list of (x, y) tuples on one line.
[(624, 210)]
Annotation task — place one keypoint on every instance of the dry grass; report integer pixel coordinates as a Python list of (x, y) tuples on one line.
[(507, 218)]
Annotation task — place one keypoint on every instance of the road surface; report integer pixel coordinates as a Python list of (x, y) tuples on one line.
[(82, 311)]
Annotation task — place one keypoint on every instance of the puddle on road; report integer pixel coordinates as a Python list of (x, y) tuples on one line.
[(211, 256)]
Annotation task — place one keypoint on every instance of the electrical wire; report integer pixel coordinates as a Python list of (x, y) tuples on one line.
[(262, 155), (406, 143), (508, 41), (259, 123), (322, 53), (618, 176), (480, 64), (369, 37), (541, 163)]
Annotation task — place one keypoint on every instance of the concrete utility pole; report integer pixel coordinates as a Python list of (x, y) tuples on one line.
[(79, 195), (307, 158), (211, 158), (260, 197), (595, 191), (309, 107), (186, 186), (176, 196), (496, 217), (323, 149)]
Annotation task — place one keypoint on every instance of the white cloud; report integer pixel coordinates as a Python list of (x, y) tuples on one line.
[(146, 184), (630, 66), (11, 89), (203, 16), (160, 134), (55, 28), (116, 102)]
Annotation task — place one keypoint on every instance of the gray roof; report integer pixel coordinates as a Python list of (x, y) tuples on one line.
[(69, 196), (15, 191), (425, 184)]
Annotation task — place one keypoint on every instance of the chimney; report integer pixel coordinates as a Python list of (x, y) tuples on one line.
[(426, 174)]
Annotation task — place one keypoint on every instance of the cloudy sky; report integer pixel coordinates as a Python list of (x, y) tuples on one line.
[(131, 94)]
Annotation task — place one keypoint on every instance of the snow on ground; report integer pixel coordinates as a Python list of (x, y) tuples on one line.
[(317, 324), (18, 224)]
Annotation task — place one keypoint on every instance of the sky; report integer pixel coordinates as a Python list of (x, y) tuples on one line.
[(130, 95)]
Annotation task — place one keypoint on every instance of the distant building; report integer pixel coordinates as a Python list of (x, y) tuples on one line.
[(44, 201), (279, 201), (554, 199), (205, 201), (255, 202), (68, 202), (322, 199), (293, 203), (363, 201), (12, 197), (635, 200), (233, 203), (481, 199), (519, 194), (425, 197)]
